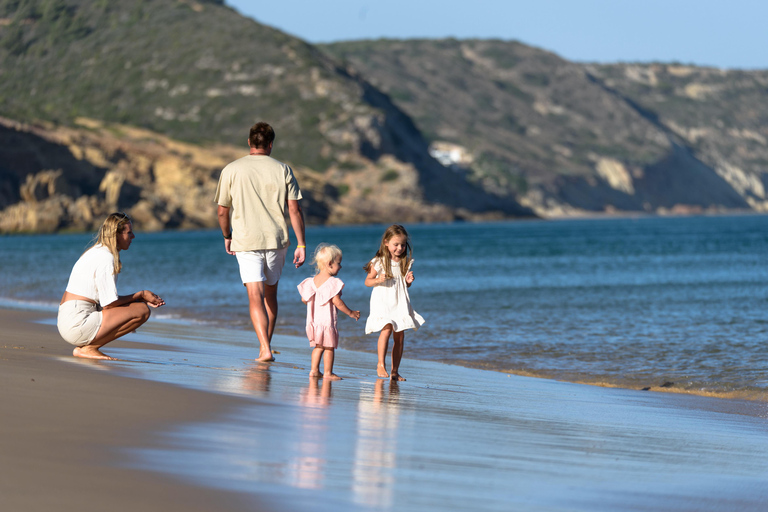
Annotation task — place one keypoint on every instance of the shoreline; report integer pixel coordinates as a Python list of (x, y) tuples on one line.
[(265, 437), (751, 395)]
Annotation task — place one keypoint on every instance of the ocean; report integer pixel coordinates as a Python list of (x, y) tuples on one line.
[(672, 303)]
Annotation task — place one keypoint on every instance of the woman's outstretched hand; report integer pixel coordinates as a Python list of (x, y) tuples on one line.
[(152, 299)]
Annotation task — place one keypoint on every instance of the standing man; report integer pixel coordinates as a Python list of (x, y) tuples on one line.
[(253, 194)]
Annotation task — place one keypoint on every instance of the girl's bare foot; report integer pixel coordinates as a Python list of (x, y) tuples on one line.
[(333, 376), (381, 371), (396, 376), (315, 374), (87, 352)]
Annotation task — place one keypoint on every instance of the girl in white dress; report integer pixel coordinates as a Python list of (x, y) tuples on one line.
[(390, 276)]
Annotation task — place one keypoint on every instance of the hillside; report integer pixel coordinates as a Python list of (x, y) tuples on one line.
[(566, 138), (411, 130), (198, 72), (720, 116)]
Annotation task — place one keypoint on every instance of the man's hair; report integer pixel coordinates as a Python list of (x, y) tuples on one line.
[(261, 136)]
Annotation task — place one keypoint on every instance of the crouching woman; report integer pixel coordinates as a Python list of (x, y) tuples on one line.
[(91, 313)]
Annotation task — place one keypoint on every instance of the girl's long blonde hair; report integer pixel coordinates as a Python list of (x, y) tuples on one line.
[(107, 236), (324, 254), (383, 253)]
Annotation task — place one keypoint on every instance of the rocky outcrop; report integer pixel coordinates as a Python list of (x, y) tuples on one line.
[(65, 178), (70, 178)]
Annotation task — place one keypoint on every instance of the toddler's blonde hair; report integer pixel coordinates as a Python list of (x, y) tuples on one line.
[(324, 254)]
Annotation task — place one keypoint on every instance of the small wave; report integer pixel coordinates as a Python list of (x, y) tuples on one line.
[(173, 318), (34, 305)]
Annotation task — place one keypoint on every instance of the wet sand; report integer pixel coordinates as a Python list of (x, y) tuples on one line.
[(449, 438)]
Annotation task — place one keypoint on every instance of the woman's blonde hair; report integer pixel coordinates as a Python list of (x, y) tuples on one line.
[(324, 254), (383, 253), (107, 236)]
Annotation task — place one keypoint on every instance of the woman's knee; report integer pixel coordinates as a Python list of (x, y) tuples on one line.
[(142, 312)]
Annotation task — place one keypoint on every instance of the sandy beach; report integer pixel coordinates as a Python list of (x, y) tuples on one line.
[(63, 427), (186, 420)]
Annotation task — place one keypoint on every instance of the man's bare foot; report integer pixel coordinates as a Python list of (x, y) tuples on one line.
[(332, 376), (265, 358), (397, 377), (316, 375), (87, 352), (381, 371)]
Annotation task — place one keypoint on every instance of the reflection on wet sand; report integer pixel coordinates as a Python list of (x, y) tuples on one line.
[(376, 448), (308, 466), (257, 380)]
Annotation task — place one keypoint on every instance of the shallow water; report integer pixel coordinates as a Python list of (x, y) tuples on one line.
[(449, 438), (624, 302)]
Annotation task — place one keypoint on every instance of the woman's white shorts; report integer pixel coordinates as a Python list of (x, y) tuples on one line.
[(79, 321)]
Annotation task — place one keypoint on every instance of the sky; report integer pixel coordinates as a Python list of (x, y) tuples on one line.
[(719, 33)]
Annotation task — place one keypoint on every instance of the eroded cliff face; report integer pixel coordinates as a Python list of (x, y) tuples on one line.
[(567, 139), (70, 178)]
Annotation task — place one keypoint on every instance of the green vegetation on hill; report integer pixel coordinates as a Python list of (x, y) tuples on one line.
[(722, 115), (512, 124), (199, 72), (196, 71), (563, 136), (521, 110)]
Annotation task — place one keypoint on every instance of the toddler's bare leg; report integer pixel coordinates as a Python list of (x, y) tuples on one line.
[(381, 369), (328, 361), (317, 354)]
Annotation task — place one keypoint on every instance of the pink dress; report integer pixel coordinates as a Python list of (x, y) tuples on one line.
[(321, 313)]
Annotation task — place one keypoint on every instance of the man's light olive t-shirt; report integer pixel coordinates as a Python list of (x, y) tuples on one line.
[(256, 188)]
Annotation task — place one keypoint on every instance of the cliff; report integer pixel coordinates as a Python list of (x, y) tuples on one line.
[(567, 139), (201, 74), (138, 105)]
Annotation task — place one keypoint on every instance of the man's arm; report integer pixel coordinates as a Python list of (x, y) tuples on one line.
[(226, 228), (297, 222)]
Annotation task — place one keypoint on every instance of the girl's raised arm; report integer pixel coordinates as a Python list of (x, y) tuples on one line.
[(371, 279)]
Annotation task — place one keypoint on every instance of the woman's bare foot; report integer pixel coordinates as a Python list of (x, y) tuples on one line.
[(332, 376), (87, 352), (397, 377), (381, 371), (316, 375)]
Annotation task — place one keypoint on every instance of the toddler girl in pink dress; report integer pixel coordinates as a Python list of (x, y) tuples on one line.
[(322, 295)]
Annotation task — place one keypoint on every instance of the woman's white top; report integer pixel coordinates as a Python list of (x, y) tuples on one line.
[(93, 276)]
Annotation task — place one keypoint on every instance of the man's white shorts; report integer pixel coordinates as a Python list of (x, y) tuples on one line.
[(261, 266)]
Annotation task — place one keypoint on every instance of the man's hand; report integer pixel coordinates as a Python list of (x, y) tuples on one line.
[(227, 245), (299, 255)]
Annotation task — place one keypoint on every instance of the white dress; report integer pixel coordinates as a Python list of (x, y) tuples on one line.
[(390, 303)]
